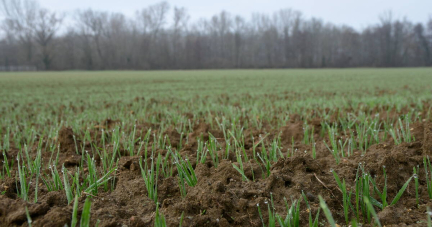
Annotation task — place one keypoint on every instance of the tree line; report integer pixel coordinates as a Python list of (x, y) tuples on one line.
[(161, 37)]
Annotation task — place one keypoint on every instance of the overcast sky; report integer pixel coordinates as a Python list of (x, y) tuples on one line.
[(357, 13)]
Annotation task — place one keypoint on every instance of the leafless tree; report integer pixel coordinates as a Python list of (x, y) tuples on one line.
[(19, 22), (35, 27), (179, 28), (150, 22), (92, 25), (153, 40), (46, 25)]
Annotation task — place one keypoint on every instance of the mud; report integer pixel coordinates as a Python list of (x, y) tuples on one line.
[(221, 198)]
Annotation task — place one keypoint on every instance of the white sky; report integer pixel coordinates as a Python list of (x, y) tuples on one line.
[(356, 13)]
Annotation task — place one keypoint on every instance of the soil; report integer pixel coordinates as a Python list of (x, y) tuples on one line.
[(221, 198)]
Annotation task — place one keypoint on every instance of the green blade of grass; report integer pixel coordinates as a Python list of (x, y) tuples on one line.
[(372, 210), (75, 212), (327, 212), (401, 191), (29, 220), (85, 216)]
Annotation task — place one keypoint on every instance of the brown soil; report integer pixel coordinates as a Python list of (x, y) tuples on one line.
[(221, 198)]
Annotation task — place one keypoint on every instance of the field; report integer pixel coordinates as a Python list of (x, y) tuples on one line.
[(316, 147)]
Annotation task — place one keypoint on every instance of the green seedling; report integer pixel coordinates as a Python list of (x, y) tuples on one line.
[(85, 216), (75, 212), (159, 218), (150, 176), (327, 212)]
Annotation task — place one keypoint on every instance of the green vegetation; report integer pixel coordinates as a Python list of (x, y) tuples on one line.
[(74, 132), (364, 196)]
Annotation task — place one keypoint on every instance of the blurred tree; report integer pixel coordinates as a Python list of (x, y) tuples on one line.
[(285, 39)]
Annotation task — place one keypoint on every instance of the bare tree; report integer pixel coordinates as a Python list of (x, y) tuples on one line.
[(92, 25), (240, 28), (149, 23), (284, 20), (19, 21), (151, 40), (46, 25), (33, 26), (423, 44), (180, 23)]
